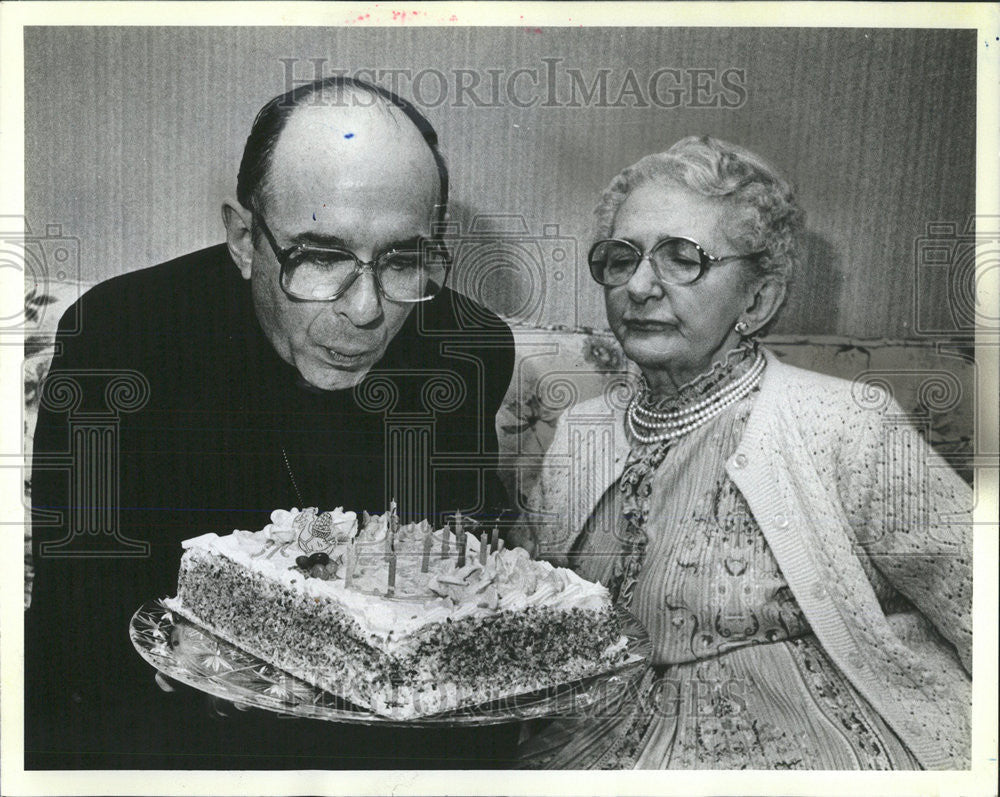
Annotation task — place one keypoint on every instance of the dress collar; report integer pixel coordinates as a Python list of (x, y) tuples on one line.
[(731, 366)]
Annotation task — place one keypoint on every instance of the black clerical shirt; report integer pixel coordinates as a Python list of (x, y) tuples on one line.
[(167, 414)]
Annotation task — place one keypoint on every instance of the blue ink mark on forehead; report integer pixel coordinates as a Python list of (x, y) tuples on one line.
[(348, 135), (314, 217)]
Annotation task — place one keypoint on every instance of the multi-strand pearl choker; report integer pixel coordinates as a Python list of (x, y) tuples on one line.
[(649, 426)]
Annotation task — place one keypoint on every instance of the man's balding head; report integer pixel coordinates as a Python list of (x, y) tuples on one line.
[(366, 152), (336, 93)]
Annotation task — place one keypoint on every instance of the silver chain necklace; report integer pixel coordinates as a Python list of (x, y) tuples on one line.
[(292, 477)]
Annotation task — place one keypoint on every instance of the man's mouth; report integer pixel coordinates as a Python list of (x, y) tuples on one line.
[(647, 325), (348, 358)]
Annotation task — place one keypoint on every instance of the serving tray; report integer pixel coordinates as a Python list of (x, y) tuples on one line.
[(193, 656)]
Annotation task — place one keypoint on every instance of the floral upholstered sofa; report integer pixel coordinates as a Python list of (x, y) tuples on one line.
[(556, 367)]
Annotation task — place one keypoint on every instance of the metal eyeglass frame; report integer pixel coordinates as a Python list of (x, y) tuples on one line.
[(706, 261), (284, 256)]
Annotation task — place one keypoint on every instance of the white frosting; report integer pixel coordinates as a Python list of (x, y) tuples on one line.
[(509, 581)]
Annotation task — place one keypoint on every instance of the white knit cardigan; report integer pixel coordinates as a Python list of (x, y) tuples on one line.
[(853, 504)]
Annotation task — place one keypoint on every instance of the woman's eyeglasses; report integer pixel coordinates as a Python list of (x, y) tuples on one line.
[(323, 274), (675, 261)]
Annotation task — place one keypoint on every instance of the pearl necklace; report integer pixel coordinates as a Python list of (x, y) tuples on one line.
[(660, 426)]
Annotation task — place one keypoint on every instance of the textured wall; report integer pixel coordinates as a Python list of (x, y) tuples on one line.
[(134, 136)]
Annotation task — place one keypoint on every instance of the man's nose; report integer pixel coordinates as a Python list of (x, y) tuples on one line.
[(361, 304), (644, 284)]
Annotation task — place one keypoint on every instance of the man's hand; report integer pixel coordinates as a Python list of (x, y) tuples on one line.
[(164, 682), (523, 536), (216, 706)]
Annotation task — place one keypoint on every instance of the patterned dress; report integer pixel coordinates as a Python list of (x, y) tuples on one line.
[(737, 680)]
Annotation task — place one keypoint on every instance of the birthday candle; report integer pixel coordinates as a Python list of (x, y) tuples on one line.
[(444, 542), (390, 532), (493, 538), (482, 548), (428, 541), (459, 539), (499, 545), (349, 564), (392, 574)]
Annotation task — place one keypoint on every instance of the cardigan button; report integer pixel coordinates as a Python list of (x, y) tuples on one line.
[(740, 461), (818, 590), (781, 521)]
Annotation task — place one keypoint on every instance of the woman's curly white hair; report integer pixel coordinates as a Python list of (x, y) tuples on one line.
[(765, 213)]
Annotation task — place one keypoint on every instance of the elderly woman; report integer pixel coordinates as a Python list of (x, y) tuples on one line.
[(798, 555)]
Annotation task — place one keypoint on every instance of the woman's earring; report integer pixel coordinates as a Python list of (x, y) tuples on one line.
[(742, 327)]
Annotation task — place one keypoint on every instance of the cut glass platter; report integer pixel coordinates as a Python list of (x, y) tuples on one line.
[(189, 654)]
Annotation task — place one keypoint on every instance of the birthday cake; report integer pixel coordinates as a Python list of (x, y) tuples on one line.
[(404, 621)]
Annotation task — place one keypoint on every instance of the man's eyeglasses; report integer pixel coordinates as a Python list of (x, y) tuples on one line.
[(675, 261), (323, 274)]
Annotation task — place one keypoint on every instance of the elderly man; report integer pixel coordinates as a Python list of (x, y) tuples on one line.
[(280, 369)]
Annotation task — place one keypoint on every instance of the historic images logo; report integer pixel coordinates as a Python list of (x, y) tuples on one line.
[(551, 83)]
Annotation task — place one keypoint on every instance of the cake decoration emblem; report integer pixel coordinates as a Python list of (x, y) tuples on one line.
[(323, 532)]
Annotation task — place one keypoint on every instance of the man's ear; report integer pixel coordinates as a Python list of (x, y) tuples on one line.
[(766, 300), (239, 240)]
